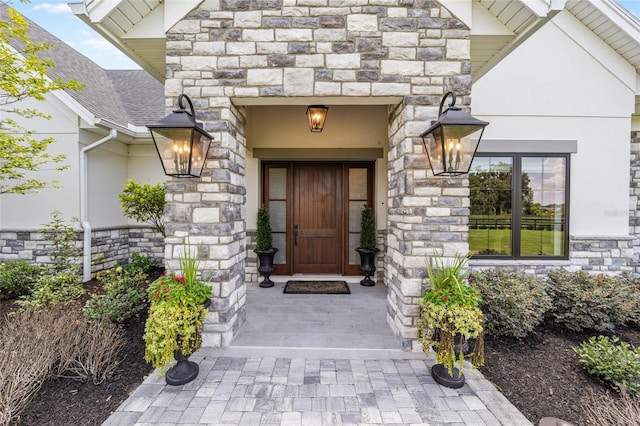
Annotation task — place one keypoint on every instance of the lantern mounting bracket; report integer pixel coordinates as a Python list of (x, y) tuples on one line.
[(452, 105), (182, 97)]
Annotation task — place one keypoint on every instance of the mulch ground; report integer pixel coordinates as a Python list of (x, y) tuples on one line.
[(69, 402), (540, 375)]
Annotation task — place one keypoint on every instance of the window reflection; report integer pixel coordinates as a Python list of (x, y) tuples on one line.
[(490, 222), (537, 226)]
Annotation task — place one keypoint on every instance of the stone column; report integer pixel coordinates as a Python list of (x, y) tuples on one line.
[(210, 211), (426, 214)]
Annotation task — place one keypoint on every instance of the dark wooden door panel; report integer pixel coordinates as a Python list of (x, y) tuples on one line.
[(317, 218)]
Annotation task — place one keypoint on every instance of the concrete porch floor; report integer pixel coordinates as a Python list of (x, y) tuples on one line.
[(355, 323)]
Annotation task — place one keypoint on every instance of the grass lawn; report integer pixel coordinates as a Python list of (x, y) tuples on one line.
[(498, 241)]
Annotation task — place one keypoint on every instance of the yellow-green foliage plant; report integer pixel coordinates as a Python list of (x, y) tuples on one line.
[(176, 313), (448, 311)]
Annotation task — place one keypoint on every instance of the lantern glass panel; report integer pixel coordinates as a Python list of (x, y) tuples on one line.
[(433, 145), (173, 147), (460, 144), (199, 153), (316, 117)]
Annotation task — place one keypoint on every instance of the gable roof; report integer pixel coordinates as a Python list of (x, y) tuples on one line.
[(111, 95), (137, 28), (141, 96)]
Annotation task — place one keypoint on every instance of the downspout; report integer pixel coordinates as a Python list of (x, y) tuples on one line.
[(84, 204)]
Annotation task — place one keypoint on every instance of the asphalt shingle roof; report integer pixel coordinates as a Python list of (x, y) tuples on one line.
[(120, 96)]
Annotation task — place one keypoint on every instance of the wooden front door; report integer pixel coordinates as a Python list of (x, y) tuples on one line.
[(317, 218), (315, 214)]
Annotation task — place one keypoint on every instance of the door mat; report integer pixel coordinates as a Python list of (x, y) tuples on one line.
[(317, 287)]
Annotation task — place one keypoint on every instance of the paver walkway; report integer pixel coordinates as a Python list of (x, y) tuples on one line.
[(290, 369)]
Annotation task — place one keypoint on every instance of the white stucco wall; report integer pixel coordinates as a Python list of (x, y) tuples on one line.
[(564, 83), (143, 163), (107, 174), (109, 167), (31, 211)]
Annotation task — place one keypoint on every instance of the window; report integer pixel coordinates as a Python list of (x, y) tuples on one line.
[(519, 205)]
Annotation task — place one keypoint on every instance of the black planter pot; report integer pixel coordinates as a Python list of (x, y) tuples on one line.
[(441, 376), (367, 265), (265, 266), (440, 373), (184, 371)]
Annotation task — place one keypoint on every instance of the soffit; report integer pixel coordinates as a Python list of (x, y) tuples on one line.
[(613, 24), (513, 22), (515, 15), (118, 21)]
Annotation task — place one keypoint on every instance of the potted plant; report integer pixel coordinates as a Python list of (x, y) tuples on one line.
[(264, 246), (367, 249), (450, 320), (174, 326)]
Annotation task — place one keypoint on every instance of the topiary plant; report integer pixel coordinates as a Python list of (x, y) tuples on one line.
[(264, 239), (367, 229)]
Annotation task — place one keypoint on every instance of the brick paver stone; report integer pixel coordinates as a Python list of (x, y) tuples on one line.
[(282, 391)]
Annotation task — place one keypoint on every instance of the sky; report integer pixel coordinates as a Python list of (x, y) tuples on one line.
[(56, 17)]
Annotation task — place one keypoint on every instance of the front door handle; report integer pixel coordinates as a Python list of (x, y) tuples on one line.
[(295, 235)]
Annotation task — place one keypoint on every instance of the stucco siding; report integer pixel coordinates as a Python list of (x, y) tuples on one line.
[(30, 211), (552, 88)]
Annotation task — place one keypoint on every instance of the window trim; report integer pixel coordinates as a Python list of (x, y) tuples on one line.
[(516, 204)]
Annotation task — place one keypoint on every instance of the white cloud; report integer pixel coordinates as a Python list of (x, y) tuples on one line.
[(99, 44), (53, 7)]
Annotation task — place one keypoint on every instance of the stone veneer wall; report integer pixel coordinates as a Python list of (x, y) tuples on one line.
[(412, 49), (109, 246), (634, 200)]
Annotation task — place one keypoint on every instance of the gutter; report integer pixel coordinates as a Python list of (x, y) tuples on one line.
[(84, 203)]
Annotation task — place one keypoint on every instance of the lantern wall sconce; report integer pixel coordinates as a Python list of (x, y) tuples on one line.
[(452, 140), (316, 114), (181, 142)]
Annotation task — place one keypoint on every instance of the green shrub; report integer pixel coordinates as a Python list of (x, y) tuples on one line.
[(591, 302), (513, 303), (51, 290), (65, 253), (144, 263), (17, 278), (615, 361), (144, 203), (124, 298), (634, 285)]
